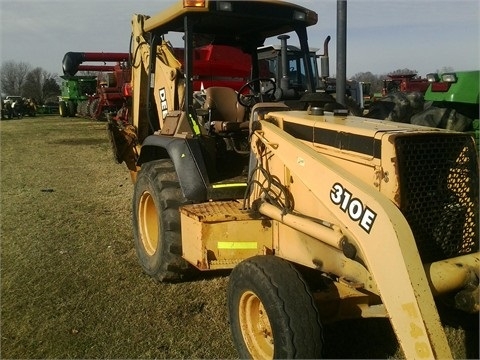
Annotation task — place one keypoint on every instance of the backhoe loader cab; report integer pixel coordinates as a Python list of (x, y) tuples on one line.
[(213, 124), (320, 215)]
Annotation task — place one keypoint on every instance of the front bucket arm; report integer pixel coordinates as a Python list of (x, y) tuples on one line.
[(379, 231)]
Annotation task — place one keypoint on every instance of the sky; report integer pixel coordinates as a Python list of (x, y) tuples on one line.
[(382, 35)]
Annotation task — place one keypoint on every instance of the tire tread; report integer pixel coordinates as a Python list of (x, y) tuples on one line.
[(162, 177)]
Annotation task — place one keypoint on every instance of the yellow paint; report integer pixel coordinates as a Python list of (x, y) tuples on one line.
[(409, 308), (415, 331), (422, 350)]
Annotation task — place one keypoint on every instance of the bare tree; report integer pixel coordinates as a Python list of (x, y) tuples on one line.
[(18, 78), (12, 77), (375, 81), (40, 85), (405, 71), (32, 88), (50, 89), (445, 69)]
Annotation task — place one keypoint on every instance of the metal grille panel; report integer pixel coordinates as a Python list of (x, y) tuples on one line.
[(439, 193)]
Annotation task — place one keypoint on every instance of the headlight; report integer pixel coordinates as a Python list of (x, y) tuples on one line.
[(299, 15), (432, 77), (449, 77), (224, 6)]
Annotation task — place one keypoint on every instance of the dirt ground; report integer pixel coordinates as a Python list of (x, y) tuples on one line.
[(71, 286)]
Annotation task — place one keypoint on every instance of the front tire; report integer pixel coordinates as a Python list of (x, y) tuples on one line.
[(156, 222), (62, 109), (272, 312)]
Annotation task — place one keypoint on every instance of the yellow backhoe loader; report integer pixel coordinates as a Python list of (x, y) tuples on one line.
[(321, 215)]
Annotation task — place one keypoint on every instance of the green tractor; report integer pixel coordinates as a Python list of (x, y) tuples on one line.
[(76, 91), (452, 102)]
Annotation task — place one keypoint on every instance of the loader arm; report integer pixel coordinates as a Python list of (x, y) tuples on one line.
[(374, 225), (156, 76), (159, 88)]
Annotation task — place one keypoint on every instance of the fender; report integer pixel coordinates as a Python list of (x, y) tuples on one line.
[(187, 158)]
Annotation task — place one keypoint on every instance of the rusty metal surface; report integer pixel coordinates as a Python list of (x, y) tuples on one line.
[(217, 211)]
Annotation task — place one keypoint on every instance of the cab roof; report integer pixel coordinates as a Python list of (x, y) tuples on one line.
[(240, 21)]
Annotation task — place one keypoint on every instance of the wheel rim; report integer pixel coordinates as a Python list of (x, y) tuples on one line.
[(255, 326), (148, 223)]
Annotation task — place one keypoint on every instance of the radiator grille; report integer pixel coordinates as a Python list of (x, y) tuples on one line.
[(438, 178)]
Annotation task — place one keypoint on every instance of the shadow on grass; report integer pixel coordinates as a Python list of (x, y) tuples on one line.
[(77, 141)]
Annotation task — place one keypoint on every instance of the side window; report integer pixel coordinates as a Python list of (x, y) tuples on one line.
[(303, 72), (316, 77), (292, 71), (272, 66), (297, 73)]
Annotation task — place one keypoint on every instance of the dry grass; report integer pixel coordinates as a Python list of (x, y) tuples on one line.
[(70, 283)]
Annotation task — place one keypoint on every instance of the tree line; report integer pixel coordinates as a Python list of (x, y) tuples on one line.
[(21, 79)]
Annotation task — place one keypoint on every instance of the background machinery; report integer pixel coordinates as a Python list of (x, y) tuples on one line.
[(17, 107), (452, 102), (285, 64), (94, 95), (401, 98), (321, 216), (76, 92), (404, 83)]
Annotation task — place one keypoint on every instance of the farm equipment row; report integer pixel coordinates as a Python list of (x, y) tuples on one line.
[(15, 107), (94, 96)]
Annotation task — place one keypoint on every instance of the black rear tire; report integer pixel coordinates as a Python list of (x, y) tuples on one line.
[(82, 108), (93, 110), (272, 312), (72, 109), (156, 222)]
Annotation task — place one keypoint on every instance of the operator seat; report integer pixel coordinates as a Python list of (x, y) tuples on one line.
[(225, 113)]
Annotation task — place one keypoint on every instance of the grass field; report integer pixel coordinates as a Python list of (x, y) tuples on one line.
[(70, 283)]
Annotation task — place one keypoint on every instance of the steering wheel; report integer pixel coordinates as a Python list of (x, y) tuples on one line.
[(254, 97)]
